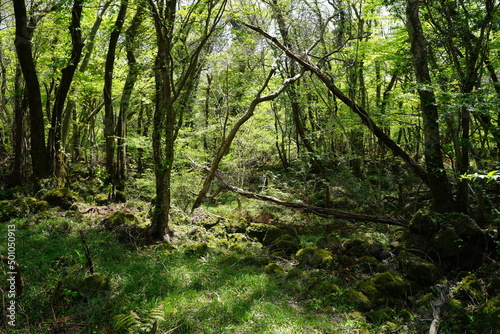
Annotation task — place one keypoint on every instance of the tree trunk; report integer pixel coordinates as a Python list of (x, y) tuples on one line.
[(55, 135), (24, 53), (109, 118), (16, 178), (441, 190)]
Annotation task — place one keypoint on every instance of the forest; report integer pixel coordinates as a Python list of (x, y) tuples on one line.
[(250, 166)]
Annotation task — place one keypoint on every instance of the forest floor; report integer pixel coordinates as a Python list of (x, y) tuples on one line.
[(260, 269)]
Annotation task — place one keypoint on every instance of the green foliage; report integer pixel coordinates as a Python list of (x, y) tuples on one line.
[(133, 323)]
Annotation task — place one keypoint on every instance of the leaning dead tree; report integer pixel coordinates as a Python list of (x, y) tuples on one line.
[(323, 212)]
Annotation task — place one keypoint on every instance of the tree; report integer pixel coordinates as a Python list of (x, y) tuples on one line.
[(180, 45)]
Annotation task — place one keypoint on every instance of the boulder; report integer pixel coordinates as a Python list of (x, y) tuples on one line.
[(418, 269), (61, 197)]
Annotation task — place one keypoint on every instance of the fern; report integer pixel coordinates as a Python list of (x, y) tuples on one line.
[(132, 322)]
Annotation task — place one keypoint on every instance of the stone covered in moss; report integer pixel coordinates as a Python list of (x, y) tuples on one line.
[(257, 231), (369, 264), (198, 249), (304, 255), (236, 226), (101, 199), (418, 269), (488, 317), (356, 299), (92, 285), (464, 225), (285, 243), (470, 291), (424, 223), (272, 234), (8, 211), (363, 245), (205, 219), (448, 244), (294, 273), (456, 318), (390, 284), (274, 269), (120, 218), (321, 258), (380, 316), (493, 286), (61, 197)]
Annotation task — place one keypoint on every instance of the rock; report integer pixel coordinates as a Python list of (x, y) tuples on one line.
[(356, 299), (125, 226), (274, 269), (257, 231), (418, 269), (93, 285), (101, 199), (286, 243), (488, 317), (380, 316), (205, 219), (424, 223), (198, 249), (120, 196), (294, 273), (470, 291), (447, 243), (304, 255), (369, 264), (272, 234), (8, 211), (390, 284), (61, 197), (493, 286), (120, 218), (238, 226), (463, 225), (321, 258), (364, 245)]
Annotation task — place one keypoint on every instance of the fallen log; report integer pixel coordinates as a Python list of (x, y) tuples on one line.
[(323, 212)]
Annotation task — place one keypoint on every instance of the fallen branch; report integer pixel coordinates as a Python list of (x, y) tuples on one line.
[(437, 305), (324, 212)]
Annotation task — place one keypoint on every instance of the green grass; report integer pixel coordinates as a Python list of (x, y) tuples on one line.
[(217, 291)]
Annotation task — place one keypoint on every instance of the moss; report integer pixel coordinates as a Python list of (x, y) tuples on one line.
[(464, 225), (363, 245), (101, 199), (120, 218), (488, 317), (92, 285), (61, 197), (304, 255), (272, 234), (257, 231), (368, 289), (8, 211), (321, 258), (356, 299), (294, 273), (493, 286), (285, 243), (418, 269), (120, 196), (368, 264), (356, 316), (201, 217), (424, 223), (380, 316), (274, 269), (448, 244), (390, 284), (256, 260), (198, 249), (469, 290), (328, 288)]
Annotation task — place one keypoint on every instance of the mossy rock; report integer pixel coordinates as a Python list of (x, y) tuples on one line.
[(272, 234), (456, 318), (369, 264), (257, 231), (285, 243), (8, 211), (236, 226), (487, 318), (198, 249), (380, 316), (321, 258), (294, 273), (201, 217), (493, 286), (274, 269), (356, 316), (464, 225), (101, 199), (470, 290), (448, 244), (328, 288), (424, 222), (304, 255), (368, 289), (390, 284), (363, 245), (93, 285), (120, 218), (356, 299), (256, 260), (120, 196), (61, 197), (219, 231), (418, 269)]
